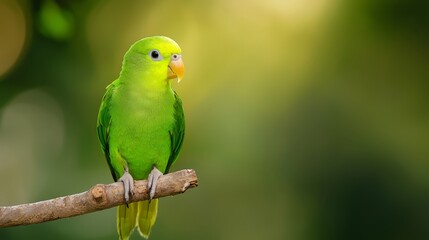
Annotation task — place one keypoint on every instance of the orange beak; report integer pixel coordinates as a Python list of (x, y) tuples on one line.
[(176, 69)]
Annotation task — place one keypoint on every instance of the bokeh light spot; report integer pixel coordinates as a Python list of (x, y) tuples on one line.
[(13, 34), (31, 136)]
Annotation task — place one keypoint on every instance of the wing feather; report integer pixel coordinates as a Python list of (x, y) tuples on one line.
[(177, 132), (103, 125)]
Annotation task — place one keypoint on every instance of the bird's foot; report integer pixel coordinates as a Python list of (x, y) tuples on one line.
[(152, 181), (128, 182)]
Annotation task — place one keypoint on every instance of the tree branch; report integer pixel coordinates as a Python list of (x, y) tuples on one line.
[(99, 197)]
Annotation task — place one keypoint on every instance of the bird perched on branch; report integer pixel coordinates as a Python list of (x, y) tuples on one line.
[(141, 125)]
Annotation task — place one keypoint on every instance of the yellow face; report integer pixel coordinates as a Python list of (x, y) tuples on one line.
[(157, 56)]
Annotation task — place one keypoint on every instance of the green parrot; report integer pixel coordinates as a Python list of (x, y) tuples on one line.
[(141, 125)]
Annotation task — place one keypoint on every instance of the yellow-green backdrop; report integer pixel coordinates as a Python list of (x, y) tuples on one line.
[(305, 119)]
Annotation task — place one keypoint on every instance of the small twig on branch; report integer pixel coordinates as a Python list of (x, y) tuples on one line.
[(97, 198)]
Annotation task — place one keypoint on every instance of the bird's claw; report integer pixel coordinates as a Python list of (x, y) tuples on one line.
[(128, 182), (152, 181)]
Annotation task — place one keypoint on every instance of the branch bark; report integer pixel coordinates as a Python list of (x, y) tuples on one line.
[(99, 197)]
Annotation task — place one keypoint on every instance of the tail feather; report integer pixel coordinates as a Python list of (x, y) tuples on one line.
[(139, 214), (146, 216), (126, 220)]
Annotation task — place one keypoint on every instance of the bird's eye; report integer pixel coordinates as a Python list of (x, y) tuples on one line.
[(175, 56), (155, 55)]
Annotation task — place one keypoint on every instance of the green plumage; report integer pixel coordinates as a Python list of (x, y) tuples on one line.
[(141, 124)]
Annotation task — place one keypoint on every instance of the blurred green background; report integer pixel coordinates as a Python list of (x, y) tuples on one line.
[(305, 119)]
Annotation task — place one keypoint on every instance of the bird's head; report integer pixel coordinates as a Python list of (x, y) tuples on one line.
[(155, 58)]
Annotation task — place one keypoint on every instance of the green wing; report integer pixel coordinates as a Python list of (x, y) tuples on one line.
[(177, 132), (103, 124)]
